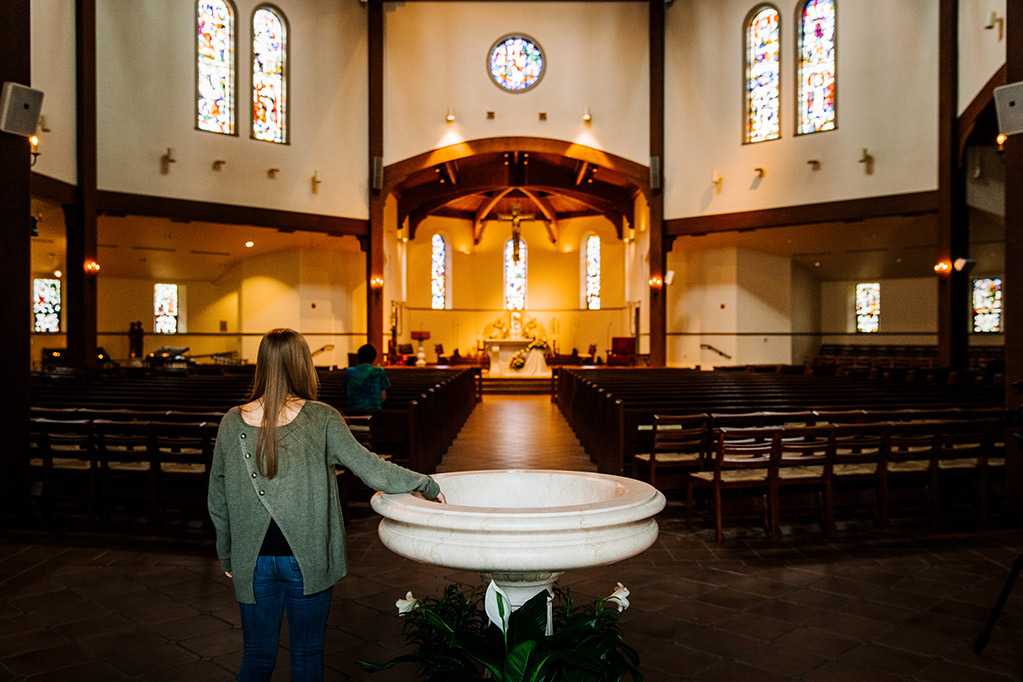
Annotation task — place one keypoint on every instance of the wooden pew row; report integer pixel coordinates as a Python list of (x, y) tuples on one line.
[(424, 410), (606, 408), (927, 459)]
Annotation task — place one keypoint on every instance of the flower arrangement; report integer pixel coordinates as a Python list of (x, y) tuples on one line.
[(456, 640)]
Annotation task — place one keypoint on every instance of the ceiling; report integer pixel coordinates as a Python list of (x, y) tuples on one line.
[(135, 247)]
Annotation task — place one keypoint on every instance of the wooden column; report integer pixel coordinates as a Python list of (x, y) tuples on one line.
[(375, 248), (1012, 283), (15, 276), (81, 218), (953, 230), (658, 294)]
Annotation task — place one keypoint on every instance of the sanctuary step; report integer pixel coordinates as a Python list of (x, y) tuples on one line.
[(517, 385)]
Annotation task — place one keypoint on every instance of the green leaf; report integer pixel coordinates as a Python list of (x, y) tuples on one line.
[(516, 665), (529, 621)]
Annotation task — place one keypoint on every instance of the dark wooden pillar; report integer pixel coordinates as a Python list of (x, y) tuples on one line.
[(81, 218), (15, 276), (375, 250), (658, 293), (953, 230), (1012, 284)]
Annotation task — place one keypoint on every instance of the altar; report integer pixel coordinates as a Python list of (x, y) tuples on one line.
[(501, 352)]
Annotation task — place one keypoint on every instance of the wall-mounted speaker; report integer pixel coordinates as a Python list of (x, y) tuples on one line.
[(1009, 107), (378, 173), (655, 172), (19, 109)]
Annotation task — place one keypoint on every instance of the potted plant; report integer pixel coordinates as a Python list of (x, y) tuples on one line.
[(469, 635)]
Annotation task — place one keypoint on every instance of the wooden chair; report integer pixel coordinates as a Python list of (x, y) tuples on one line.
[(66, 458), (681, 444), (913, 453), (125, 466), (968, 447), (800, 460), (742, 462), (858, 463), (622, 352), (182, 454)]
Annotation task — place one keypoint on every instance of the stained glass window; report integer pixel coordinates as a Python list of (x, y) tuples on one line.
[(514, 275), (165, 308), (269, 75), (868, 307), (215, 66), (763, 75), (987, 305), (516, 63), (593, 272), (46, 304), (439, 273), (817, 66)]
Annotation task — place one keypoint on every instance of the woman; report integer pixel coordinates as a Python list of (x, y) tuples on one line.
[(274, 502)]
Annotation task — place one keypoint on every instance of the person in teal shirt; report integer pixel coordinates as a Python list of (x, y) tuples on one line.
[(365, 384)]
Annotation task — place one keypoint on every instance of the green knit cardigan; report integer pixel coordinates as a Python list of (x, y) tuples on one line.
[(302, 498)]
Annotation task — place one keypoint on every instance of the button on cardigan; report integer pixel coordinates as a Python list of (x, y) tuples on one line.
[(302, 498)]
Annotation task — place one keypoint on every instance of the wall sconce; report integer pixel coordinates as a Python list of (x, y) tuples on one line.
[(963, 264), (166, 160), (656, 283), (218, 164), (34, 141), (759, 171), (942, 267), (996, 22), (1002, 137), (450, 118), (587, 116), (715, 179), (867, 159), (316, 182), (90, 266), (272, 173), (814, 164), (377, 285)]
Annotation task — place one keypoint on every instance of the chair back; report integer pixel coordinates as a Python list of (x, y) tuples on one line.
[(361, 428), (743, 448), (682, 435), (803, 446)]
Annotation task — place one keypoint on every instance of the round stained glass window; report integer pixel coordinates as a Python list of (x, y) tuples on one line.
[(516, 63)]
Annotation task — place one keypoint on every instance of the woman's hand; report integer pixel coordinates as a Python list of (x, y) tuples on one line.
[(440, 499), (228, 574)]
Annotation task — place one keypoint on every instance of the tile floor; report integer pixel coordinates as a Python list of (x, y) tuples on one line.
[(78, 604)]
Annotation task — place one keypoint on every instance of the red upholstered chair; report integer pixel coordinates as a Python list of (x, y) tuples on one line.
[(623, 351)]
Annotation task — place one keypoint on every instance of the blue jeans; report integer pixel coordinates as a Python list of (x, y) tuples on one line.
[(278, 584)]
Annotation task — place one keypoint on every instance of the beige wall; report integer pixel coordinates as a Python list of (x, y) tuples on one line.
[(146, 103), (436, 57), (53, 72), (886, 98), (981, 50)]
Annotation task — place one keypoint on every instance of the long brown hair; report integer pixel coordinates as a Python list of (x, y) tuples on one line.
[(284, 371)]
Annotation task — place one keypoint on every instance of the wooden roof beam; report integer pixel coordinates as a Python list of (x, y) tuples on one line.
[(483, 212), (548, 213)]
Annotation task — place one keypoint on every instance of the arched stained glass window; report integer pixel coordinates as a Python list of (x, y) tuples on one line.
[(165, 308), (987, 305), (593, 272), (438, 272), (269, 75), (515, 275), (46, 305), (763, 75), (868, 307), (515, 63), (214, 89), (816, 60)]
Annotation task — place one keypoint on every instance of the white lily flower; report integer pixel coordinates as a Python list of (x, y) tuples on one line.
[(498, 606), (407, 604), (620, 597)]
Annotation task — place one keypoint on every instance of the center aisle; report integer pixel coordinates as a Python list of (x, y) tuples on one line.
[(516, 432)]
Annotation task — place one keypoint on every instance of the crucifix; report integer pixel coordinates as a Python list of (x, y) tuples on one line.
[(516, 217)]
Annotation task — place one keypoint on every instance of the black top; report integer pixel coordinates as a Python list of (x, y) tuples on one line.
[(274, 542)]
